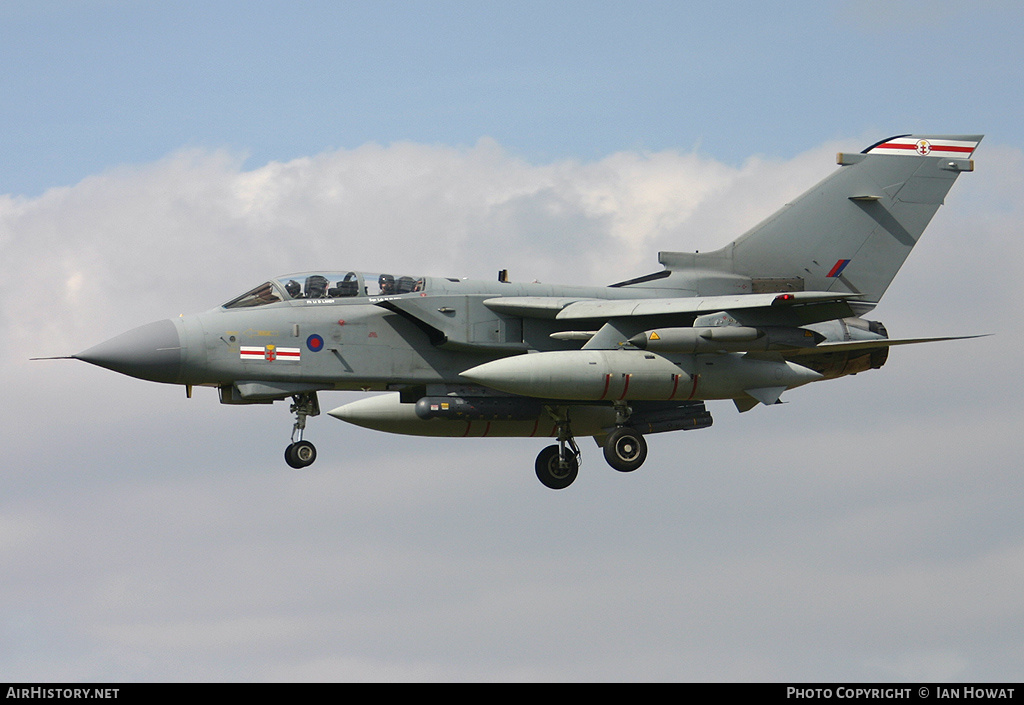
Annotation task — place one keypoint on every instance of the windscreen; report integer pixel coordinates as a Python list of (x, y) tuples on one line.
[(329, 286)]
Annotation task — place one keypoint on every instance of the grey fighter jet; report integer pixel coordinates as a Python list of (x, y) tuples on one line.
[(779, 307)]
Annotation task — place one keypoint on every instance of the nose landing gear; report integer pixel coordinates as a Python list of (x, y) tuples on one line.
[(300, 453)]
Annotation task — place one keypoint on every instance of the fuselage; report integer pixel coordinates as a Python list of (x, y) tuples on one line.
[(355, 331), (351, 338)]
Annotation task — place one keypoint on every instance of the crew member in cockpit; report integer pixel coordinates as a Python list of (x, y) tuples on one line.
[(387, 283)]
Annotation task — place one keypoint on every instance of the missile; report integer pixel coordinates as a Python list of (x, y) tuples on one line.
[(693, 340), (624, 375), (725, 339)]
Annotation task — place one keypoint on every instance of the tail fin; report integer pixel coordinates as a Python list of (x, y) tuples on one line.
[(853, 231)]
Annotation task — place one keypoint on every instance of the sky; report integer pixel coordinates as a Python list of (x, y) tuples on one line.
[(163, 158)]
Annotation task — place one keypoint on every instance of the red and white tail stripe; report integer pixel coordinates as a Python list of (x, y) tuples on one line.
[(910, 145)]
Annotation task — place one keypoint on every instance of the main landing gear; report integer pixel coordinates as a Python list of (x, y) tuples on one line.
[(624, 449), (300, 453)]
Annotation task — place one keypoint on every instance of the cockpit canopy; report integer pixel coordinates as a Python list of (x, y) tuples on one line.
[(326, 286)]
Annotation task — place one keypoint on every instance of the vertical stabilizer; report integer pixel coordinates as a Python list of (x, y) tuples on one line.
[(853, 231)]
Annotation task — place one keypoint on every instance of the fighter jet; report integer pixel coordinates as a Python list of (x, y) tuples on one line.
[(779, 307)]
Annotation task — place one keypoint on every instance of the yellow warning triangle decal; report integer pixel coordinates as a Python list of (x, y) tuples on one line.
[(654, 335)]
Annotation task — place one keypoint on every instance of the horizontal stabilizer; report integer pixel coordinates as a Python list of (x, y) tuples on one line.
[(854, 345)]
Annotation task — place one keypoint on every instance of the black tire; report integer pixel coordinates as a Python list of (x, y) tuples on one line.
[(300, 455), (551, 474), (625, 449)]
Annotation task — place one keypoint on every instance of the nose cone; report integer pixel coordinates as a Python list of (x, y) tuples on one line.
[(151, 352)]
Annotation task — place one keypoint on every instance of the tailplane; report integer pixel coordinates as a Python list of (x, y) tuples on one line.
[(850, 233)]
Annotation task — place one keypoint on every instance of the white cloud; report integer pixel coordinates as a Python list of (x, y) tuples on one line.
[(866, 530), (187, 232)]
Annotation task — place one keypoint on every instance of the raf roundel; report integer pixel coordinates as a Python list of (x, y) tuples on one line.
[(315, 343)]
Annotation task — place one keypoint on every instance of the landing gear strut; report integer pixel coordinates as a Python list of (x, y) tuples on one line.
[(301, 453), (624, 448), (558, 465)]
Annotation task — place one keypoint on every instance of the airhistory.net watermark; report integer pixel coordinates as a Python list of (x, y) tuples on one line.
[(62, 693)]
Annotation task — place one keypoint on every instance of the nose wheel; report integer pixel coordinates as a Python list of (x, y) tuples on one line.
[(300, 454)]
